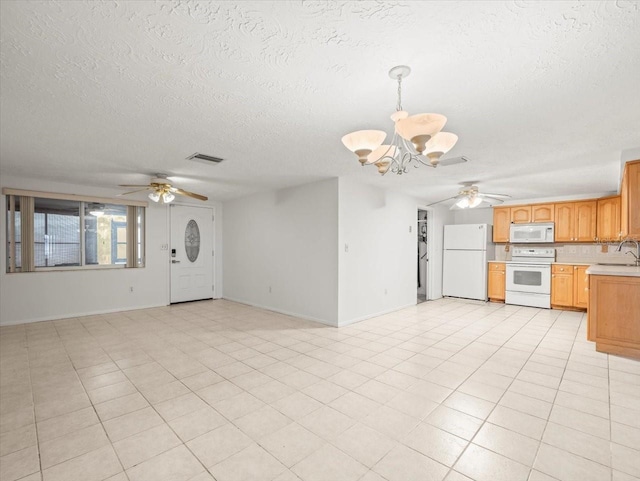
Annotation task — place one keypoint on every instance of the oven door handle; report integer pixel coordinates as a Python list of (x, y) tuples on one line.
[(533, 266)]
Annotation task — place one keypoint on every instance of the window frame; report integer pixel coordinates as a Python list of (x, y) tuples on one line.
[(135, 208)]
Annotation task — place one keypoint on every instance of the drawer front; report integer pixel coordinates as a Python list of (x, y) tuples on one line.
[(559, 269)]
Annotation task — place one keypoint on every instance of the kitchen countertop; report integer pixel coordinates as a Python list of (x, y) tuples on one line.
[(625, 271), (558, 263)]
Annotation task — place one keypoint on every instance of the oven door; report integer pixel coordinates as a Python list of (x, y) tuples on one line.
[(533, 278)]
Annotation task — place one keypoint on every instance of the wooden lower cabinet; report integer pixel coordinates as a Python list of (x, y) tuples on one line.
[(614, 314), (562, 285), (580, 287), (569, 286), (496, 289)]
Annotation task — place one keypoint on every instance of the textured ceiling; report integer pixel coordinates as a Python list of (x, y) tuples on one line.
[(544, 95)]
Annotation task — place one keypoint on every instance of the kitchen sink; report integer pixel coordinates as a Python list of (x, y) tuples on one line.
[(614, 264)]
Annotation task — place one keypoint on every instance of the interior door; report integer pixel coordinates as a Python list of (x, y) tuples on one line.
[(191, 253)]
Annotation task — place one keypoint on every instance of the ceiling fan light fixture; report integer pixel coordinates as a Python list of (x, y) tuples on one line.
[(463, 203), (167, 197), (154, 196), (363, 142), (412, 136), (474, 202)]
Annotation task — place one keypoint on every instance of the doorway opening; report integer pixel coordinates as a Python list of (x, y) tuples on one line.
[(423, 258)]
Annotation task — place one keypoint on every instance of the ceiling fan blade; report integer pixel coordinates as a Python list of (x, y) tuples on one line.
[(134, 191), (497, 196), (189, 194), (490, 200), (443, 200), (131, 185), (453, 161)]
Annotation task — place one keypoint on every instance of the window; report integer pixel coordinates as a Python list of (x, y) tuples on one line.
[(44, 233)]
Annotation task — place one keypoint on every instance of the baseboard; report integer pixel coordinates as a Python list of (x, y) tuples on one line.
[(281, 311), (80, 314), (376, 314)]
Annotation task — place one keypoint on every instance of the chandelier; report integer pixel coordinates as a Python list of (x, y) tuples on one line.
[(417, 139)]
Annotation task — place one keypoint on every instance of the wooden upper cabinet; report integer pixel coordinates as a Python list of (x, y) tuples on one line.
[(585, 223), (501, 222), (521, 214), (630, 200), (575, 221), (564, 216), (542, 213), (608, 218)]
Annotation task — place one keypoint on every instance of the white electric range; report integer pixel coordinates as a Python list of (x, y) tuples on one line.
[(528, 280)]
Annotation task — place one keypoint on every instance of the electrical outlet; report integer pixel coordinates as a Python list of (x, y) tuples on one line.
[(164, 247), (385, 292), (410, 229), (269, 289), (346, 247), (130, 288), (572, 250)]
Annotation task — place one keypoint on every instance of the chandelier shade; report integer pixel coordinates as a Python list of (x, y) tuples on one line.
[(383, 166), (440, 144), (363, 142), (418, 129), (417, 139)]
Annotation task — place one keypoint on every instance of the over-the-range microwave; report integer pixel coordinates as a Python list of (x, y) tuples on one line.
[(531, 233)]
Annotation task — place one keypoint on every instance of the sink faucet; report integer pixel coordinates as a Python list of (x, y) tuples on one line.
[(636, 254)]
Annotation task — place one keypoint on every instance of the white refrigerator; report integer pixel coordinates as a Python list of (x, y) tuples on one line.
[(467, 250)]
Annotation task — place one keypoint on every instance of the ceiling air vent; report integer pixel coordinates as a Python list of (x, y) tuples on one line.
[(205, 158)]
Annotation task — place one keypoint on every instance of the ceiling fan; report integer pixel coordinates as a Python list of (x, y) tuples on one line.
[(469, 196), (162, 190)]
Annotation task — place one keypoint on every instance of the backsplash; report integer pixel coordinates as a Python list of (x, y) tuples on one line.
[(575, 253)]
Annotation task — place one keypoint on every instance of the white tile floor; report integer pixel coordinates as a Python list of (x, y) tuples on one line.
[(216, 390)]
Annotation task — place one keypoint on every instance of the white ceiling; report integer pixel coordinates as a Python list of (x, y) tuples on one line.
[(544, 95)]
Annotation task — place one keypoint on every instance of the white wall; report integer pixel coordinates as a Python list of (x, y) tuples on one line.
[(34, 296), (378, 273), (473, 216), (286, 241)]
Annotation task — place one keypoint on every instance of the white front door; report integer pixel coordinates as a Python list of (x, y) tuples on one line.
[(191, 253)]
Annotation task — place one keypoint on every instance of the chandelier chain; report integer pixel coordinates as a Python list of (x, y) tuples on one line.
[(399, 104)]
